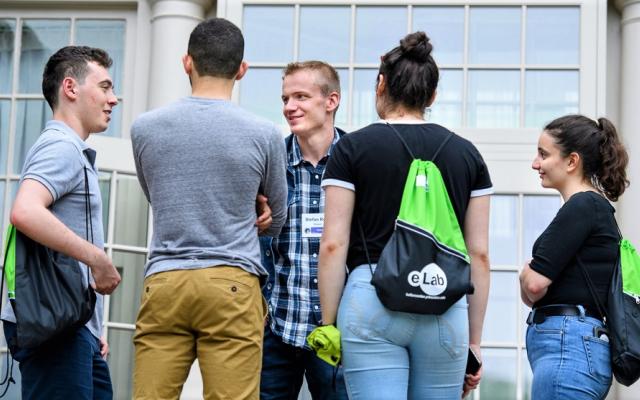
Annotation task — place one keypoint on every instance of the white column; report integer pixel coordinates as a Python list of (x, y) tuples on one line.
[(629, 115), (171, 24)]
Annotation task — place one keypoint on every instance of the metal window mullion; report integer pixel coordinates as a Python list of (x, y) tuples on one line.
[(120, 326), (465, 67), (523, 39), (13, 109), (296, 32), (109, 248), (351, 70), (409, 18), (72, 32)]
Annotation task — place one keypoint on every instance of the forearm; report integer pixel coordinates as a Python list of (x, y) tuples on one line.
[(331, 278), (480, 276), (533, 285)]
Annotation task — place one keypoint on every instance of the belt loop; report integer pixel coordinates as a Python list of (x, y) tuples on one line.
[(582, 312)]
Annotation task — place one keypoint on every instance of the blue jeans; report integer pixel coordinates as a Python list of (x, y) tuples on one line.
[(283, 367), (567, 360), (395, 355), (67, 367)]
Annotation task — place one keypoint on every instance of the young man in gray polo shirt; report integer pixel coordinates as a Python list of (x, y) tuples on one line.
[(201, 162), (50, 209)]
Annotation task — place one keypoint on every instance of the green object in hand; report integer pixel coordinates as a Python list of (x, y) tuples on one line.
[(325, 341)]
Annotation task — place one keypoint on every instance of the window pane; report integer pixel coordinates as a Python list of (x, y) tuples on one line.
[(549, 95), (445, 28), (107, 35), (261, 93), (268, 33), (40, 39), (502, 312), (494, 99), (494, 35), (132, 208), (121, 362), (7, 33), (499, 374), (537, 214), (319, 43), (447, 109), (343, 112), (503, 233), (5, 110), (527, 377), (31, 117), (372, 41), (124, 302), (553, 35), (364, 97), (104, 180)]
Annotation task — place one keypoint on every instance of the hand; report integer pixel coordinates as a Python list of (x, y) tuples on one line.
[(471, 381), (264, 213), (105, 275), (104, 347)]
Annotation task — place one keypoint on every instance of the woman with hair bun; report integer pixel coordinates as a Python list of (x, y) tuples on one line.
[(567, 343), (389, 354)]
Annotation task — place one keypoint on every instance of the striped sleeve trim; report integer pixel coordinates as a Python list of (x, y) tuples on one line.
[(339, 183), (482, 192)]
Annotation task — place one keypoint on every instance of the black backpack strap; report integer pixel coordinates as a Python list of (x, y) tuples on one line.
[(406, 146), (592, 288), (364, 244)]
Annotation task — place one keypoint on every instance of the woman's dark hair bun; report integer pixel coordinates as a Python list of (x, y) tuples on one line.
[(416, 46)]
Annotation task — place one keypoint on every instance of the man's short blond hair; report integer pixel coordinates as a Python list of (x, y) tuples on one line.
[(330, 81)]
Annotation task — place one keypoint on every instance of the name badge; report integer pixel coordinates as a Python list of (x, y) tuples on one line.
[(312, 225)]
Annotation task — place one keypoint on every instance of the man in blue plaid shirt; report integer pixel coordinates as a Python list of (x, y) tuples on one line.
[(310, 96)]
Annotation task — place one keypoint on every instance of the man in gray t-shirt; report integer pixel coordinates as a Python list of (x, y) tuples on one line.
[(50, 209), (201, 162)]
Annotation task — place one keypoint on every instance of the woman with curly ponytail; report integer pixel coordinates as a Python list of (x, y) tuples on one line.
[(390, 354), (567, 344)]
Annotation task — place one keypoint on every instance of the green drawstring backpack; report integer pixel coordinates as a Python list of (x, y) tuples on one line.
[(622, 317), (424, 267)]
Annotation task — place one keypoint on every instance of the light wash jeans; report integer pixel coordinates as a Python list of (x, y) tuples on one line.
[(395, 355), (567, 360)]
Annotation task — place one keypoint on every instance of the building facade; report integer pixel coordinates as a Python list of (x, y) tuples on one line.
[(507, 66)]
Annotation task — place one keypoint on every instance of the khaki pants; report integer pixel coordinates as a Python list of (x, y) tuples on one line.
[(215, 314)]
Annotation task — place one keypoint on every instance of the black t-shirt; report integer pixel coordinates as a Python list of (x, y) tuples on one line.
[(373, 162), (584, 226)]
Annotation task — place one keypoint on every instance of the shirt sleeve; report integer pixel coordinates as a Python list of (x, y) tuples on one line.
[(137, 156), (55, 165), (274, 185), (483, 185), (562, 239), (339, 171)]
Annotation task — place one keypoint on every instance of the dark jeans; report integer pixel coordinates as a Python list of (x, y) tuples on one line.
[(283, 367), (65, 368)]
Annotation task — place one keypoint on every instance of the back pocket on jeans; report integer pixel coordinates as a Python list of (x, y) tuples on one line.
[(366, 317), (599, 359)]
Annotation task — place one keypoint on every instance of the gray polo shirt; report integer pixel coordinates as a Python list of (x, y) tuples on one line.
[(57, 161)]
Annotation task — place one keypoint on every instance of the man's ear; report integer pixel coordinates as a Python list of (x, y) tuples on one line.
[(69, 88), (187, 63), (333, 101), (244, 66)]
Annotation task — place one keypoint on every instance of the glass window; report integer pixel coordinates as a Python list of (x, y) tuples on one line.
[(445, 28), (268, 32), (121, 362), (7, 33), (553, 35), (319, 43), (537, 214), (261, 93), (342, 115), (527, 376), (132, 213), (31, 117), (2, 185), (124, 302), (493, 99), (104, 180), (447, 108), (503, 230), (40, 39), (550, 94), (107, 35), (499, 374), (375, 37), (364, 97), (5, 110), (13, 390), (502, 314), (494, 35)]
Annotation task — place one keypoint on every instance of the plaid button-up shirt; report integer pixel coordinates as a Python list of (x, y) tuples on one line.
[(291, 259)]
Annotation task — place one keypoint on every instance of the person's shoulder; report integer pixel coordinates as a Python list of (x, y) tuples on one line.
[(55, 141), (155, 117), (589, 201)]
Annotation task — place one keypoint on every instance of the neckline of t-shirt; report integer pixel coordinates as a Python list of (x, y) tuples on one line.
[(402, 121)]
